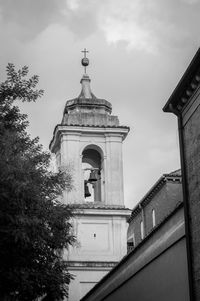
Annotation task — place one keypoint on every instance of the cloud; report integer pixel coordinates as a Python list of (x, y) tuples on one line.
[(130, 22), (73, 4), (81, 17), (149, 25), (124, 21), (81, 23), (130, 32), (28, 18), (190, 1)]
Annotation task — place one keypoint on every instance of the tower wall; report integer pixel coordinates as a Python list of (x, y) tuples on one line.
[(89, 140), (101, 235), (73, 140)]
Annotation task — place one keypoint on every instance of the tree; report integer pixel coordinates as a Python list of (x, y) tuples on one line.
[(34, 226)]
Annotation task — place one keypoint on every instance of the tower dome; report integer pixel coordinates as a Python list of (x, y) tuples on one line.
[(87, 102), (87, 109)]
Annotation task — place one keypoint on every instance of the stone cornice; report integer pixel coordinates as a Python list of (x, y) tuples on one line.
[(186, 87), (59, 129), (96, 205), (106, 210), (87, 102), (91, 264)]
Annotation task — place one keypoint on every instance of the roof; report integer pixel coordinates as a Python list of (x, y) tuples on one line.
[(174, 176), (87, 100), (186, 86), (175, 173)]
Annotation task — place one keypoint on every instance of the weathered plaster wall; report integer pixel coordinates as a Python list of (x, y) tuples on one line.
[(191, 132), (101, 236), (84, 281)]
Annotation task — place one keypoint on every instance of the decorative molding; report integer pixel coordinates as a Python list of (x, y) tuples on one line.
[(186, 87), (92, 264), (79, 129)]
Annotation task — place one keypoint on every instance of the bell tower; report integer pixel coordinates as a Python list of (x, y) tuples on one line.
[(89, 140)]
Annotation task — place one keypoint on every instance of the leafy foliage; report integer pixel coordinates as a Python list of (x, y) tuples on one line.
[(34, 226)]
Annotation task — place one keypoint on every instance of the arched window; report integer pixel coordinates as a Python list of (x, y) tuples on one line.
[(153, 217), (142, 229), (92, 170)]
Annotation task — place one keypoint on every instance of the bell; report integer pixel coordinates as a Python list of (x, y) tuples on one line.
[(93, 176), (87, 193)]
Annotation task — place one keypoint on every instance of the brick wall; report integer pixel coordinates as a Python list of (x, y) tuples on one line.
[(163, 202), (192, 156)]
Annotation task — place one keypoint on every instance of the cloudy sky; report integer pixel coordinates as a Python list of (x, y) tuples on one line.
[(138, 52)]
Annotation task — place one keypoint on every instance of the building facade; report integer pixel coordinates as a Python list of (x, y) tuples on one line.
[(89, 142), (158, 203), (155, 267), (185, 104)]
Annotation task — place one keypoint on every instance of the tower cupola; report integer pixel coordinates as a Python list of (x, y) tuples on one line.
[(87, 109), (89, 140)]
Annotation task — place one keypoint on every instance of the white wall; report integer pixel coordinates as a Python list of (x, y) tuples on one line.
[(83, 282), (99, 237)]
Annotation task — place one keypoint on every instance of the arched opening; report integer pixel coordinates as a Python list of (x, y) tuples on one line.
[(142, 229), (92, 173), (153, 217)]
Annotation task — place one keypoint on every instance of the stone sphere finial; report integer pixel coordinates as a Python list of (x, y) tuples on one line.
[(85, 61)]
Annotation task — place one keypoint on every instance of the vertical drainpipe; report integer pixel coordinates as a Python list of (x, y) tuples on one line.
[(185, 201)]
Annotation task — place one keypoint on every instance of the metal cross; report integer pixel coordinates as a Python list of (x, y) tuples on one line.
[(84, 51)]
